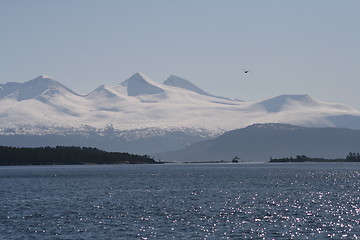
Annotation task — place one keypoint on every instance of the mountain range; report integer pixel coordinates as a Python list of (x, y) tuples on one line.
[(143, 116), (260, 142)]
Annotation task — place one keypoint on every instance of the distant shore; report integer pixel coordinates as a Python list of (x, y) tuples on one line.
[(351, 157), (61, 155)]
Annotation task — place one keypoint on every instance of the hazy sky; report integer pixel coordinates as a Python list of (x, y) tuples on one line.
[(291, 47)]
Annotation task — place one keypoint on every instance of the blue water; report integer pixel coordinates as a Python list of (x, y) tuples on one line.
[(181, 201)]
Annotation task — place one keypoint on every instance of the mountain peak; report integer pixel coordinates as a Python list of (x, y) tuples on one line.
[(139, 84), (140, 75), (44, 77), (179, 82), (277, 103), (32, 88), (43, 80), (137, 77), (103, 90)]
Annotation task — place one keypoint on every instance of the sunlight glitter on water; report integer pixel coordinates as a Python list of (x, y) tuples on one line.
[(186, 202)]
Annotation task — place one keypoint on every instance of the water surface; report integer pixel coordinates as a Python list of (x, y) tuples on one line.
[(181, 201)]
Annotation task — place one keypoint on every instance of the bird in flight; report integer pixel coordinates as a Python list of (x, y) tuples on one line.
[(245, 70)]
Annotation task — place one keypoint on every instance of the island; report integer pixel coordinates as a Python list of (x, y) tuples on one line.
[(351, 157), (62, 155)]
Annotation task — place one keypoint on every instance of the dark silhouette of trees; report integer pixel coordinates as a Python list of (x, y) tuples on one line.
[(351, 157), (61, 155)]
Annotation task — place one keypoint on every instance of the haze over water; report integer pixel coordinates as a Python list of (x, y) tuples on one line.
[(186, 201)]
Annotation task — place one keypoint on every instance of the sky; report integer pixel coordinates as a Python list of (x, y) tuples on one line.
[(290, 47)]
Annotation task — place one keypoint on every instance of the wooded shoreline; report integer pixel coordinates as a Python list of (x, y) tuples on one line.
[(62, 155), (351, 157)]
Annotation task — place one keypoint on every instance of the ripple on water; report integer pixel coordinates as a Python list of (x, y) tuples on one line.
[(181, 202)]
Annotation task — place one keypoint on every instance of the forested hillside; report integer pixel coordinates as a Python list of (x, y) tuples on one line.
[(66, 156)]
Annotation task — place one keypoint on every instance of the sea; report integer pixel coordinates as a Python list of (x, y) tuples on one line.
[(181, 201)]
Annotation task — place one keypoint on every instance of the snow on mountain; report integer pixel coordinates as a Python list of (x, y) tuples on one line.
[(40, 101), (179, 82), (139, 84), (141, 103), (278, 103), (42, 85), (304, 110), (287, 103), (176, 81)]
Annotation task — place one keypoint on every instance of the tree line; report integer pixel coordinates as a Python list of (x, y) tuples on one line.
[(63, 155), (351, 157)]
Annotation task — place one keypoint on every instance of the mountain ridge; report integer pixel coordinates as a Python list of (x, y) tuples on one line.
[(260, 142), (33, 88), (139, 84), (143, 102), (179, 82), (175, 111)]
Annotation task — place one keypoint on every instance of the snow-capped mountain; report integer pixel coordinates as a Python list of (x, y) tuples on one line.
[(179, 82), (38, 87), (37, 103), (139, 84), (140, 108)]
